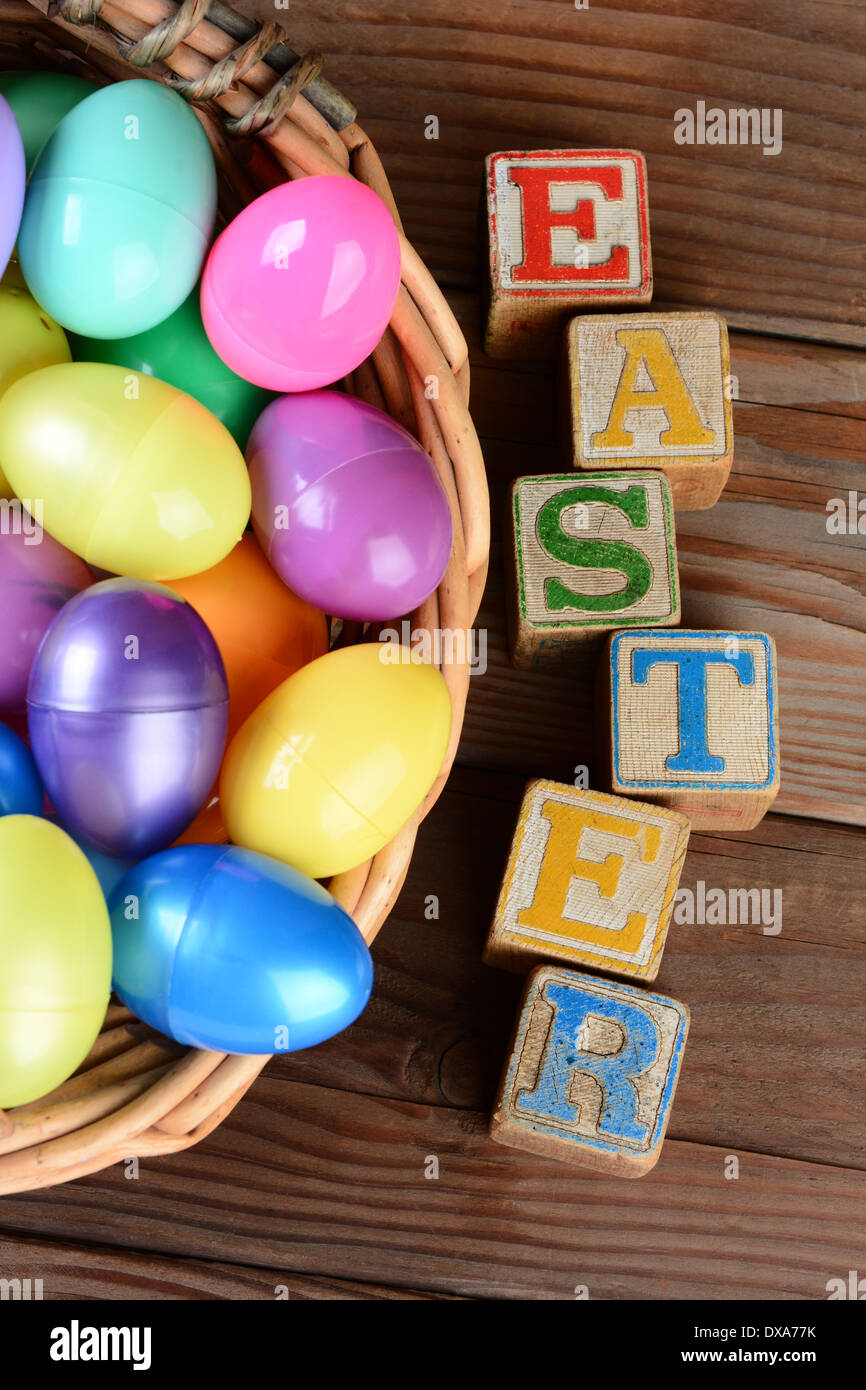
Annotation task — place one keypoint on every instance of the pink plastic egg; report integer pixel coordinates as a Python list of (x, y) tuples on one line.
[(299, 288)]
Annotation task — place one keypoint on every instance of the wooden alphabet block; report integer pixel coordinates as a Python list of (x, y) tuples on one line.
[(590, 554), (592, 1072), (567, 230), (590, 881), (691, 723), (651, 391)]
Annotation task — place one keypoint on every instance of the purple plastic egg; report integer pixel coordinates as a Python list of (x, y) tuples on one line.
[(37, 576), (127, 710), (12, 178), (347, 506)]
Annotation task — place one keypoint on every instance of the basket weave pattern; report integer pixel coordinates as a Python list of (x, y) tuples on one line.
[(267, 114)]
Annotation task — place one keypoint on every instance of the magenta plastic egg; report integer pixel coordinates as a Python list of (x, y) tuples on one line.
[(37, 576), (12, 173), (299, 288), (347, 506), (127, 709)]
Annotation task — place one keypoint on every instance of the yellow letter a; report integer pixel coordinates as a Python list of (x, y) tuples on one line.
[(650, 346)]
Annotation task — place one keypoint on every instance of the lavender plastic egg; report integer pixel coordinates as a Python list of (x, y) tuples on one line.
[(12, 176), (127, 710), (37, 576), (347, 506)]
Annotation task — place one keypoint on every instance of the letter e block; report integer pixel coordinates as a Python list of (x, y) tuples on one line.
[(692, 723), (650, 391), (590, 880), (568, 230), (592, 1072), (590, 554)]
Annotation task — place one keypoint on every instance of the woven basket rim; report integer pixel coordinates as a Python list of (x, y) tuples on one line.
[(246, 84)]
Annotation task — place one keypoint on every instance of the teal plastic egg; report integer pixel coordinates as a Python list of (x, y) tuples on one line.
[(119, 211)]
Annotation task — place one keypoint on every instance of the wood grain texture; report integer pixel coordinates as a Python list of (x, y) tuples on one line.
[(761, 559), (773, 242), (85, 1272), (309, 1179)]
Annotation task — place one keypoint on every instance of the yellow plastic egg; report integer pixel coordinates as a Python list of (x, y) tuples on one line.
[(29, 339), (337, 758), (55, 958), (135, 477)]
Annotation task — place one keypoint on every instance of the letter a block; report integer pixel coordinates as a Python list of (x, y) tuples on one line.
[(650, 391), (568, 230), (591, 554), (590, 881), (592, 1072), (692, 723)]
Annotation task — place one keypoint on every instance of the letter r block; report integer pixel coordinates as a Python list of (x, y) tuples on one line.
[(690, 721), (651, 391), (592, 1071), (590, 881), (567, 230), (590, 553)]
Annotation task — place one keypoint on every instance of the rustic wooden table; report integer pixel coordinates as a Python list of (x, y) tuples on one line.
[(318, 1180)]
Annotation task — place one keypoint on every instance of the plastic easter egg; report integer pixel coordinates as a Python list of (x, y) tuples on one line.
[(347, 505), (37, 576), (55, 958), (127, 708), (134, 476), (229, 950), (108, 870), (264, 633), (178, 351), (20, 787), (336, 760), (119, 211), (12, 178), (40, 100), (29, 339), (299, 288)]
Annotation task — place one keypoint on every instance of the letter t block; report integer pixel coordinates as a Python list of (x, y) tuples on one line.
[(568, 230), (651, 391), (592, 1071), (690, 721)]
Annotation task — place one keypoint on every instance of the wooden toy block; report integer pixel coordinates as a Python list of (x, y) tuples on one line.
[(592, 1072), (567, 230), (590, 554), (651, 391), (590, 881), (691, 723)]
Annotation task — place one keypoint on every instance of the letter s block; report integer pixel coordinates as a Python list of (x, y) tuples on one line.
[(567, 230), (592, 1072), (690, 721), (590, 554), (590, 880), (651, 391)]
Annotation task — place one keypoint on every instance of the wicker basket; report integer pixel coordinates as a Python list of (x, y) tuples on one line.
[(268, 115)]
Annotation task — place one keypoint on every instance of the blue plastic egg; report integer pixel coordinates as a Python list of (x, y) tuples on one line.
[(223, 948), (119, 211), (20, 787)]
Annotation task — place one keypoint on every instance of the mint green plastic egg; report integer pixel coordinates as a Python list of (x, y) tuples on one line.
[(119, 211)]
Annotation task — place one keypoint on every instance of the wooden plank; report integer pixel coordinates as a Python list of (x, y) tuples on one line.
[(83, 1273), (770, 241), (305, 1178)]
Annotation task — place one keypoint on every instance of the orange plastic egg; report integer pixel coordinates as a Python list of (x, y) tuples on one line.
[(264, 633)]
